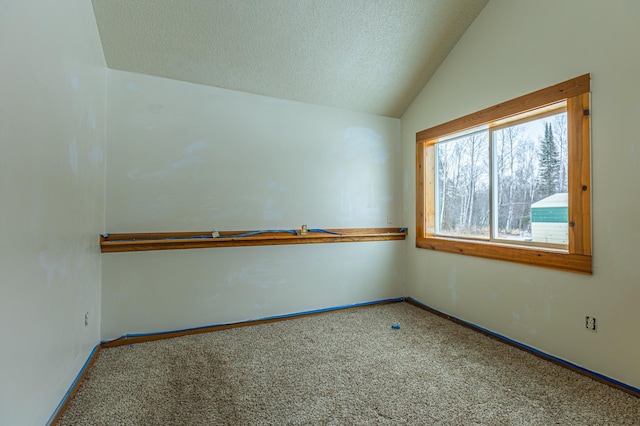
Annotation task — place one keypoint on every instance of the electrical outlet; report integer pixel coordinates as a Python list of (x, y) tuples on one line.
[(389, 219), (590, 323), (86, 319)]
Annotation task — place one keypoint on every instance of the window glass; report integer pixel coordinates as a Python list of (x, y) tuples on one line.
[(525, 201), (531, 181), (462, 200)]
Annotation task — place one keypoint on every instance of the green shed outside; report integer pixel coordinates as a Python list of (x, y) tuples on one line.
[(550, 219)]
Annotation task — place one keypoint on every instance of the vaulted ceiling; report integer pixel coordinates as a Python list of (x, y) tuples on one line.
[(366, 55)]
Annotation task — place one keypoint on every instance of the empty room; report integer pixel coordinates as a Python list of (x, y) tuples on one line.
[(319, 212)]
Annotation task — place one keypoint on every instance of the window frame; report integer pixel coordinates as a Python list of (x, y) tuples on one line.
[(577, 257)]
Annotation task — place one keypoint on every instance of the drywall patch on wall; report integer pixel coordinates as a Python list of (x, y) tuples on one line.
[(49, 265), (96, 155), (213, 153), (366, 144), (196, 153), (184, 163), (196, 147), (73, 155), (452, 286), (362, 153), (92, 117), (261, 274), (271, 213), (406, 188), (155, 108), (275, 186)]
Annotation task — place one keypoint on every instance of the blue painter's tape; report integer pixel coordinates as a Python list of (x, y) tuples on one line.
[(265, 231), (245, 234), (403, 230), (336, 308), (73, 385), (324, 231), (194, 237), (533, 350)]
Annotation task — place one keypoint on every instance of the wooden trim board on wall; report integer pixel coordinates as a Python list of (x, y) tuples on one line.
[(121, 242)]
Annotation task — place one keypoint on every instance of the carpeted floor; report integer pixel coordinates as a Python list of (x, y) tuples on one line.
[(345, 367)]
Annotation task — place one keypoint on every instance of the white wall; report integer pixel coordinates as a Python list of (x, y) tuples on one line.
[(186, 157), (513, 48), (52, 106)]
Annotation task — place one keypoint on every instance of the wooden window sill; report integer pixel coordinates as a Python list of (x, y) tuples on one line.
[(545, 257), (111, 243)]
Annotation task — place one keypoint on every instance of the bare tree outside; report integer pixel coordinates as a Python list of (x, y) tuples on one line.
[(559, 127), (530, 162), (463, 186)]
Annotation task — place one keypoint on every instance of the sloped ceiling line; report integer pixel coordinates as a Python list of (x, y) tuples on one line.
[(371, 56)]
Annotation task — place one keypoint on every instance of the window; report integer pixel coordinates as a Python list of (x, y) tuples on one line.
[(511, 182)]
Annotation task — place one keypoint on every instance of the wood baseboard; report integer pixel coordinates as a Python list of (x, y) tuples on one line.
[(542, 355), (130, 340), (69, 396)]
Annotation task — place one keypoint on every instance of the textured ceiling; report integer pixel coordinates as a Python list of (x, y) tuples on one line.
[(366, 55)]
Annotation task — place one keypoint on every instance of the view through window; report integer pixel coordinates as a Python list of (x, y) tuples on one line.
[(511, 182), (508, 180)]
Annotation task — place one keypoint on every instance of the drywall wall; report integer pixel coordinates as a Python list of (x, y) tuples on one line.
[(513, 48), (186, 157), (52, 106)]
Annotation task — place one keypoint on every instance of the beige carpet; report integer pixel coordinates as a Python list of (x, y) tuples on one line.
[(345, 367)]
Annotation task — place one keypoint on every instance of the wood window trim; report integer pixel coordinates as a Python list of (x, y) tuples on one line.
[(577, 258)]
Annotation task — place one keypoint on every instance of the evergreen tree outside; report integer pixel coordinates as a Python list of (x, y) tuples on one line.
[(548, 179), (529, 161)]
